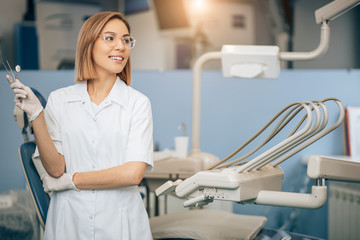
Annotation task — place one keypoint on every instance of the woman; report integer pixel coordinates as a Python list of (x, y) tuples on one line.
[(95, 139)]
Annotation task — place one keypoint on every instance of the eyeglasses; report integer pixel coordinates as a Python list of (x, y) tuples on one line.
[(112, 39)]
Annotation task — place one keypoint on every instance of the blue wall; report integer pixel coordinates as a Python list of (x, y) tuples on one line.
[(232, 111)]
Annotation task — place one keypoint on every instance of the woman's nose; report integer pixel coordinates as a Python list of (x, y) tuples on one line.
[(120, 45)]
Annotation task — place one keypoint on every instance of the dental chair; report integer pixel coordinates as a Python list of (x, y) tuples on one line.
[(40, 198)]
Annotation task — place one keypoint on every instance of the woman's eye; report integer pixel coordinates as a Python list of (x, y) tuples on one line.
[(127, 41), (109, 38)]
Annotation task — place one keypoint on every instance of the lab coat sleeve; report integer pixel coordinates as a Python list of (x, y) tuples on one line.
[(140, 140), (52, 124)]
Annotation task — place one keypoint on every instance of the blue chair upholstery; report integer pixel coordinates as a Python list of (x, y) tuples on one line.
[(40, 198), (40, 97)]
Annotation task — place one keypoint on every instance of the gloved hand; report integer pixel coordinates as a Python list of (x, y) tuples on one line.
[(58, 184), (26, 99)]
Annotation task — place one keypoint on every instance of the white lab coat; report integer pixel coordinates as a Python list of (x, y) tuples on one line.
[(118, 132)]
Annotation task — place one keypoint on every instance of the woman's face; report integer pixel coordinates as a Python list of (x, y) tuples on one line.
[(110, 55)]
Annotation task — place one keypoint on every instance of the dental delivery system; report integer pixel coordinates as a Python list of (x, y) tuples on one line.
[(259, 180)]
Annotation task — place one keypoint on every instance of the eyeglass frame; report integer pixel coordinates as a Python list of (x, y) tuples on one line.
[(132, 39)]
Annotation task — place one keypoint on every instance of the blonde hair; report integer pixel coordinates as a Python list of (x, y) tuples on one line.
[(90, 30)]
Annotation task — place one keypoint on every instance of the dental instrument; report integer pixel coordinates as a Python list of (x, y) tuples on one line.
[(9, 70), (17, 69)]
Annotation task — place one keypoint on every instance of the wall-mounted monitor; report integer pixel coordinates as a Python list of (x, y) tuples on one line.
[(172, 18), (136, 6), (171, 14)]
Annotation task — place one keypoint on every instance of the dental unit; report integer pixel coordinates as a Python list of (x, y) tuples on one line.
[(259, 180)]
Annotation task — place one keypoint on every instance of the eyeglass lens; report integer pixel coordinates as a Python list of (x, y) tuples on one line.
[(112, 39)]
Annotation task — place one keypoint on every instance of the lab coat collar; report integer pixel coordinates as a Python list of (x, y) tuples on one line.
[(119, 93), (79, 93)]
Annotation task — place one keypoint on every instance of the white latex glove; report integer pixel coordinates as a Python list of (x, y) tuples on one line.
[(25, 99), (58, 184)]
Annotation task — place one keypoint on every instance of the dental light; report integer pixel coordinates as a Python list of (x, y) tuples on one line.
[(250, 61)]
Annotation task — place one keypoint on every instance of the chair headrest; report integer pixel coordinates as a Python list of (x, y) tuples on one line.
[(22, 119), (40, 97)]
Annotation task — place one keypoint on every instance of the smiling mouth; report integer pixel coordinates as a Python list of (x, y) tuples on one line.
[(117, 58)]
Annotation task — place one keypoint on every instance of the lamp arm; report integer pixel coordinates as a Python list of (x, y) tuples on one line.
[(320, 50), (197, 97), (334, 9)]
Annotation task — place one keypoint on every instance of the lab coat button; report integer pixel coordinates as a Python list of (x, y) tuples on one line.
[(83, 102), (93, 166), (91, 217)]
